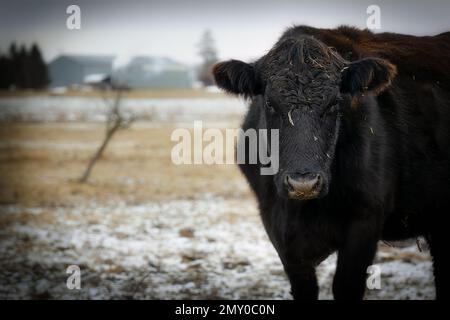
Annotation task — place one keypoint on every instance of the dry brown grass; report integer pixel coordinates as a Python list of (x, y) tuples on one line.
[(40, 163)]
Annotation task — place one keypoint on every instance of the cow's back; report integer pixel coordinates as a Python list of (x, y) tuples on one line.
[(423, 59)]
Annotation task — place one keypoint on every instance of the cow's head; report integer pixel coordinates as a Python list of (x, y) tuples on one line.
[(305, 87)]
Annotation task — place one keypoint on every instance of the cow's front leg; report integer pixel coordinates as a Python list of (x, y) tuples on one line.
[(302, 277), (296, 248), (355, 255), (441, 266), (299, 268)]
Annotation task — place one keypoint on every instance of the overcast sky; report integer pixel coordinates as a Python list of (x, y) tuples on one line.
[(242, 29)]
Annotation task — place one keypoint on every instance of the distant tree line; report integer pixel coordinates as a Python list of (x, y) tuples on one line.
[(23, 69)]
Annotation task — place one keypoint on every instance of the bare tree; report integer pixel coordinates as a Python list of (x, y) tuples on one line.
[(116, 120), (208, 53)]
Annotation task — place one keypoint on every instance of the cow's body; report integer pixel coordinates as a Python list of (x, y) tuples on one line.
[(390, 171)]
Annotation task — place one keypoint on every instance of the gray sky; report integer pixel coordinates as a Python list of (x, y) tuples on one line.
[(242, 29)]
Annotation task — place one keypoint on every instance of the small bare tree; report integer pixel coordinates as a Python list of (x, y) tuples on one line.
[(115, 121)]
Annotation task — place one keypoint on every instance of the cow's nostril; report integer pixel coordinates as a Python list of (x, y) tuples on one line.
[(286, 180), (318, 182), (302, 186)]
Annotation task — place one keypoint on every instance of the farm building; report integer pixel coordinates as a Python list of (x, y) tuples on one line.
[(141, 72), (154, 72), (67, 70)]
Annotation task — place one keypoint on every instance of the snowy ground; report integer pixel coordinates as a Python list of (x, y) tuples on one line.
[(54, 108), (142, 227), (205, 248)]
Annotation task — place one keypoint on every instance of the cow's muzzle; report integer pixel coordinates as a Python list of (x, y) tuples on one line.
[(303, 186)]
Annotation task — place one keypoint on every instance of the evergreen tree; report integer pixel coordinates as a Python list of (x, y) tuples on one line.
[(23, 69), (6, 73), (14, 64), (38, 69), (24, 64)]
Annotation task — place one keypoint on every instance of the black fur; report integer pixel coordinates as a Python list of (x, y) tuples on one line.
[(381, 143), (368, 74), (237, 77)]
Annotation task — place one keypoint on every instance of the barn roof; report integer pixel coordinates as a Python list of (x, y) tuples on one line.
[(156, 64), (88, 60)]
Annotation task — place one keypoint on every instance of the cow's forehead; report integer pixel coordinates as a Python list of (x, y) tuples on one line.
[(314, 87), (302, 52), (303, 71)]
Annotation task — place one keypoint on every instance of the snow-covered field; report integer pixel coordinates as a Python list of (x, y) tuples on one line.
[(57, 108), (206, 248), (144, 228)]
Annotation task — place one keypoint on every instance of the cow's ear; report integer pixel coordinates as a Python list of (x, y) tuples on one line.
[(237, 77), (368, 74)]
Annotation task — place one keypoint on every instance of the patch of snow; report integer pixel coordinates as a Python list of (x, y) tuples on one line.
[(202, 248), (58, 108), (94, 78), (58, 90)]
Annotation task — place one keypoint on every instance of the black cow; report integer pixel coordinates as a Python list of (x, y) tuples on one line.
[(364, 127)]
